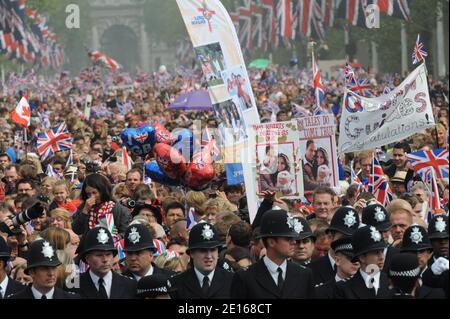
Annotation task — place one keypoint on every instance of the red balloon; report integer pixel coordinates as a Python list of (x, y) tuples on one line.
[(162, 134), (200, 170), (171, 162)]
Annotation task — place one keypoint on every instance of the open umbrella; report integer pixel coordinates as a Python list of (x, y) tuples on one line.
[(192, 101), (260, 63)]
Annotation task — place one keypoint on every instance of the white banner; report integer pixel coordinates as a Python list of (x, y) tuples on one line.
[(368, 123)]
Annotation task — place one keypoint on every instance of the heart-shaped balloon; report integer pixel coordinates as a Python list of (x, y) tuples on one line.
[(153, 171), (184, 143), (139, 141), (200, 171), (170, 161), (162, 134)]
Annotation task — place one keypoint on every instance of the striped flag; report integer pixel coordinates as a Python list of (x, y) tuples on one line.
[(160, 247), (100, 58), (378, 184), (191, 218), (126, 159), (52, 141), (120, 251), (437, 159), (419, 53), (22, 114), (319, 89), (52, 173), (434, 200)]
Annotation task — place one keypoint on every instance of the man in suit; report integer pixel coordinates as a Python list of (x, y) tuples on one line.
[(274, 276), (100, 282), (377, 216), (416, 241), (345, 267), (140, 249), (204, 280), (8, 286), (436, 275), (369, 282), (304, 246), (344, 223), (42, 267)]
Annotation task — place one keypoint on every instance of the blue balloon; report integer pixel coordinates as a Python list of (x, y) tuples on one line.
[(139, 141), (153, 171), (184, 143)]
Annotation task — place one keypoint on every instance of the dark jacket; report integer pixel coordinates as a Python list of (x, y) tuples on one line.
[(322, 270), (13, 287), (121, 287), (425, 292), (58, 294), (265, 206), (80, 224), (257, 283), (391, 252), (435, 281), (355, 288), (186, 285), (326, 291)]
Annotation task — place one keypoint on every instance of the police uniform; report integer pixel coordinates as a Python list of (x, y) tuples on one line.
[(138, 238), (116, 286), (42, 254), (342, 246), (8, 286), (376, 215), (437, 230), (187, 285), (304, 234), (416, 239), (404, 271), (151, 287), (346, 221), (261, 280), (365, 240)]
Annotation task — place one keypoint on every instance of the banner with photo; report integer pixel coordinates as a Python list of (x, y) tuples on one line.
[(368, 123), (317, 142), (275, 148)]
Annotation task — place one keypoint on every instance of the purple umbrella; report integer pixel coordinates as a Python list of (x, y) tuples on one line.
[(192, 101)]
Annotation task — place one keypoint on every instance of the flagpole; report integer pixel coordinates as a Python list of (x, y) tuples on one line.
[(25, 142)]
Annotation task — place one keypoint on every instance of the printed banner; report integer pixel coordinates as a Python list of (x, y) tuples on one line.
[(368, 123), (318, 152)]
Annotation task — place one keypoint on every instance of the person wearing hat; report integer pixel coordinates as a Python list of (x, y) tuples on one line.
[(156, 286), (436, 275), (8, 286), (100, 282), (274, 276), (304, 246), (369, 282), (139, 249), (415, 241), (398, 183), (344, 223), (345, 267), (377, 216), (204, 280), (42, 267), (404, 274)]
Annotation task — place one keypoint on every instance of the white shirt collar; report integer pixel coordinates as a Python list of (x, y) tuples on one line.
[(332, 261), (38, 295), (376, 282), (149, 273), (4, 285), (273, 268), (107, 281), (200, 276), (337, 278)]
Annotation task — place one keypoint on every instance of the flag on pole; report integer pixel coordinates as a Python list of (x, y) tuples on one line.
[(319, 89), (378, 184), (419, 53), (52, 141), (349, 73), (22, 114), (434, 200), (126, 159), (52, 173)]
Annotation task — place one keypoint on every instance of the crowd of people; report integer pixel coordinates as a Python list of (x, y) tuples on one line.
[(56, 244)]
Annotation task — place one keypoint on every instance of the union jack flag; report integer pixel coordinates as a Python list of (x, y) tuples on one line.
[(434, 202), (419, 53), (378, 184), (349, 73), (361, 87), (192, 219), (160, 247), (437, 159), (356, 180), (52, 141), (319, 89), (51, 172), (120, 251)]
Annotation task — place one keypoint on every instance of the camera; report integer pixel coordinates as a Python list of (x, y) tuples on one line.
[(91, 167), (35, 211), (131, 203)]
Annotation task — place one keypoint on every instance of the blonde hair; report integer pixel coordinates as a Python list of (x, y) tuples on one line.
[(401, 206), (64, 214), (222, 205), (173, 263), (364, 155), (119, 191), (61, 183), (63, 270), (196, 200), (59, 238)]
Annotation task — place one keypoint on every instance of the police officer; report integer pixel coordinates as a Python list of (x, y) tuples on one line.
[(42, 267), (376, 215), (100, 282), (344, 223), (436, 275), (415, 241), (204, 280), (156, 286), (345, 267), (369, 282), (304, 246), (274, 276), (140, 249), (404, 274), (8, 286)]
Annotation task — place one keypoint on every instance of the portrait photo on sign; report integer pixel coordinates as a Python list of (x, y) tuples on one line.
[(212, 62), (276, 168), (232, 123), (238, 86), (317, 159)]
